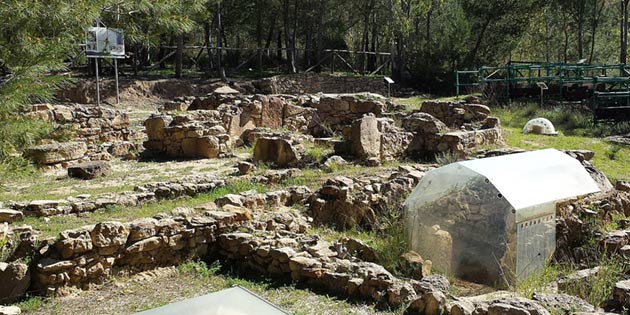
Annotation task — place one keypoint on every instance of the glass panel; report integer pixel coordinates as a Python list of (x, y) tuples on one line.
[(462, 230)]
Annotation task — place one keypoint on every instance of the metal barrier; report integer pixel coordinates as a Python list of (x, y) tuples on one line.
[(607, 87)]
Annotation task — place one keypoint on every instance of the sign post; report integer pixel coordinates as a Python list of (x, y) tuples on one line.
[(103, 42), (389, 86)]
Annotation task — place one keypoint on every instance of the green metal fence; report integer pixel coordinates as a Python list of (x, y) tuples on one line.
[(607, 87)]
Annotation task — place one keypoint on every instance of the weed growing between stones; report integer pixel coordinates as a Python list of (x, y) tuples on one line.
[(539, 282), (445, 158), (30, 303), (7, 247), (199, 268), (612, 270), (316, 153)]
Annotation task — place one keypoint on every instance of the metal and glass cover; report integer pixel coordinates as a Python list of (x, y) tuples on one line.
[(233, 301), (492, 220)]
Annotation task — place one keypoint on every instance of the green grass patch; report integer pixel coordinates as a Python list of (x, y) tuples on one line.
[(30, 303), (617, 168), (199, 268), (570, 119)]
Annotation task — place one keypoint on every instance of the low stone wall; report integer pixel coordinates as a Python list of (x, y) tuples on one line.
[(311, 83), (189, 186), (101, 133), (92, 123), (200, 134), (345, 203), (89, 255)]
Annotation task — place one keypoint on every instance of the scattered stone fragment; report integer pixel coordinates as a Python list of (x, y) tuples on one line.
[(90, 170), (277, 151), (419, 267), (623, 186), (563, 303), (334, 162), (245, 168), (621, 293), (10, 310), (15, 279), (10, 216)]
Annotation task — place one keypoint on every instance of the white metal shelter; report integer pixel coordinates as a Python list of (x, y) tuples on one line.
[(492, 220), (103, 42)]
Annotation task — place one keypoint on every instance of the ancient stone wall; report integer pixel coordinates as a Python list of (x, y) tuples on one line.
[(346, 203), (222, 121), (200, 134), (92, 124), (89, 255), (311, 83), (100, 133)]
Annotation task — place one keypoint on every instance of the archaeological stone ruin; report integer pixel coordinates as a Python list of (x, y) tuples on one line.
[(314, 164)]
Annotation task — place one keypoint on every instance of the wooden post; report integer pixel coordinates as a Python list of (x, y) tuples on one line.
[(179, 56)]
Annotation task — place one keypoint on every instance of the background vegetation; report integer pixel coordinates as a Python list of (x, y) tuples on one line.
[(428, 39)]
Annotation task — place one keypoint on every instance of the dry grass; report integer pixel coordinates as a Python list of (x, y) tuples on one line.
[(125, 295)]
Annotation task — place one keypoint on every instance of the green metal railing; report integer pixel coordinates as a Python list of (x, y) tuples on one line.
[(606, 84)]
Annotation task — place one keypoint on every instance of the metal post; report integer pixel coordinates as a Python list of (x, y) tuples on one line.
[(98, 89), (457, 83), (332, 69), (116, 73)]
